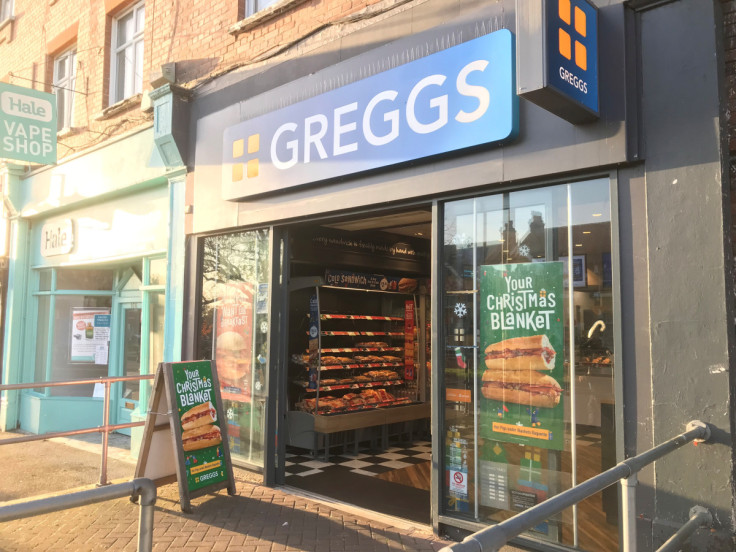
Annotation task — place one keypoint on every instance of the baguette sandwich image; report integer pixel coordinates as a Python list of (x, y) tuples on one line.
[(201, 437), (529, 388), (199, 415), (532, 352), (513, 372)]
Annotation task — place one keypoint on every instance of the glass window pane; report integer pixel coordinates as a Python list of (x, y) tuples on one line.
[(120, 76), (140, 18), (41, 337), (61, 68), (72, 349), (523, 340), (84, 279), (138, 68), (124, 29), (131, 351), (44, 283), (235, 332), (157, 270)]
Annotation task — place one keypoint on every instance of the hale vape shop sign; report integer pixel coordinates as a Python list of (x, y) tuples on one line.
[(27, 125), (457, 98)]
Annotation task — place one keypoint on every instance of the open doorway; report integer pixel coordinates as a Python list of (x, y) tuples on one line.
[(358, 392)]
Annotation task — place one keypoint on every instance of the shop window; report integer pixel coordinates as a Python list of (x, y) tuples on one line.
[(234, 331), (528, 361), (65, 77), (126, 77), (63, 330)]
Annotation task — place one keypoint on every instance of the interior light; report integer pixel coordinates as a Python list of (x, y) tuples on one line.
[(586, 231), (418, 234), (578, 245), (597, 214)]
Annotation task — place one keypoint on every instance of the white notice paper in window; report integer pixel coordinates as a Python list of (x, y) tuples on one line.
[(101, 354)]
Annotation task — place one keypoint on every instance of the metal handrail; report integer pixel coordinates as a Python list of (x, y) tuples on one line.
[(105, 428), (492, 538), (141, 489), (699, 517)]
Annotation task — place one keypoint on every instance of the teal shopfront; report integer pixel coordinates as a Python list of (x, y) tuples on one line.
[(93, 286)]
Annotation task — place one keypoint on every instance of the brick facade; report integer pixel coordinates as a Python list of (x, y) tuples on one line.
[(204, 38)]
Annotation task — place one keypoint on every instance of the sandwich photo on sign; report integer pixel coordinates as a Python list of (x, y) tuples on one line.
[(201, 437), (198, 429), (513, 372)]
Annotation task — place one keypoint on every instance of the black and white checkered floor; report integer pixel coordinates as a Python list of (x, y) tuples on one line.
[(304, 465)]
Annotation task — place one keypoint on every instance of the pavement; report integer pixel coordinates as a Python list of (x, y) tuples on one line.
[(257, 519)]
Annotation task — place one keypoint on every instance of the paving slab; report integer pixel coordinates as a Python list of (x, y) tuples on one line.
[(257, 519)]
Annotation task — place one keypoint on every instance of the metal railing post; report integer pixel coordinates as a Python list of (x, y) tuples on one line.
[(146, 490), (105, 428), (699, 517), (628, 512), (105, 434), (142, 489)]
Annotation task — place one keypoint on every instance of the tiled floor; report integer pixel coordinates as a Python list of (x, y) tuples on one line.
[(301, 464)]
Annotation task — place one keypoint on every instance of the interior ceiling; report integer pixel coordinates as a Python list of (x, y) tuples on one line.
[(408, 223)]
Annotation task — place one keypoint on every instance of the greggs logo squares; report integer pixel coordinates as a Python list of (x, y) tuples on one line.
[(572, 27)]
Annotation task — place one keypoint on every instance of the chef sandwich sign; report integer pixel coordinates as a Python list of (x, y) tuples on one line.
[(27, 125), (521, 364)]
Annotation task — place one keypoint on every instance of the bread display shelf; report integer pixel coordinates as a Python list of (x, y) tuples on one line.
[(361, 349), (327, 367), (359, 334), (355, 385), (360, 317), (361, 408), (327, 423)]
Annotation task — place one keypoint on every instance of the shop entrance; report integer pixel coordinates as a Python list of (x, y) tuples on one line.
[(358, 389)]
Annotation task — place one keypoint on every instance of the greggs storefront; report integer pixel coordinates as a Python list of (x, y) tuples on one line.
[(425, 273)]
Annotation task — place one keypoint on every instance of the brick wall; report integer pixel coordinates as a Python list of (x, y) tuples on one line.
[(193, 33)]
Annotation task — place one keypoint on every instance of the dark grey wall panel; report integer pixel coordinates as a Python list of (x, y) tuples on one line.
[(684, 192)]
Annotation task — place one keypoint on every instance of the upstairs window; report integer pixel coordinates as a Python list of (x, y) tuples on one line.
[(254, 6), (6, 9), (65, 76), (126, 79)]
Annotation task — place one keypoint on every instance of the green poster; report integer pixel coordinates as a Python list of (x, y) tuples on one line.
[(521, 364), (201, 436)]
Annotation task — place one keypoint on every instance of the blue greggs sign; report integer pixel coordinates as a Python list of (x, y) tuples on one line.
[(460, 97), (572, 50)]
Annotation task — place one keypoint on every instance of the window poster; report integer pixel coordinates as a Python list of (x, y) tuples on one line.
[(90, 333), (234, 341), (521, 366)]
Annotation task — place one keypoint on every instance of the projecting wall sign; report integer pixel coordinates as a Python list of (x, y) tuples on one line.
[(27, 124), (457, 98), (557, 57)]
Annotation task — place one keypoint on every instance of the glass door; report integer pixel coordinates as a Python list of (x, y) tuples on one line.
[(129, 361)]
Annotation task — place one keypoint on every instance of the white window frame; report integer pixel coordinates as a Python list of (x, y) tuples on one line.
[(254, 6), (6, 10), (133, 51), (64, 87)]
